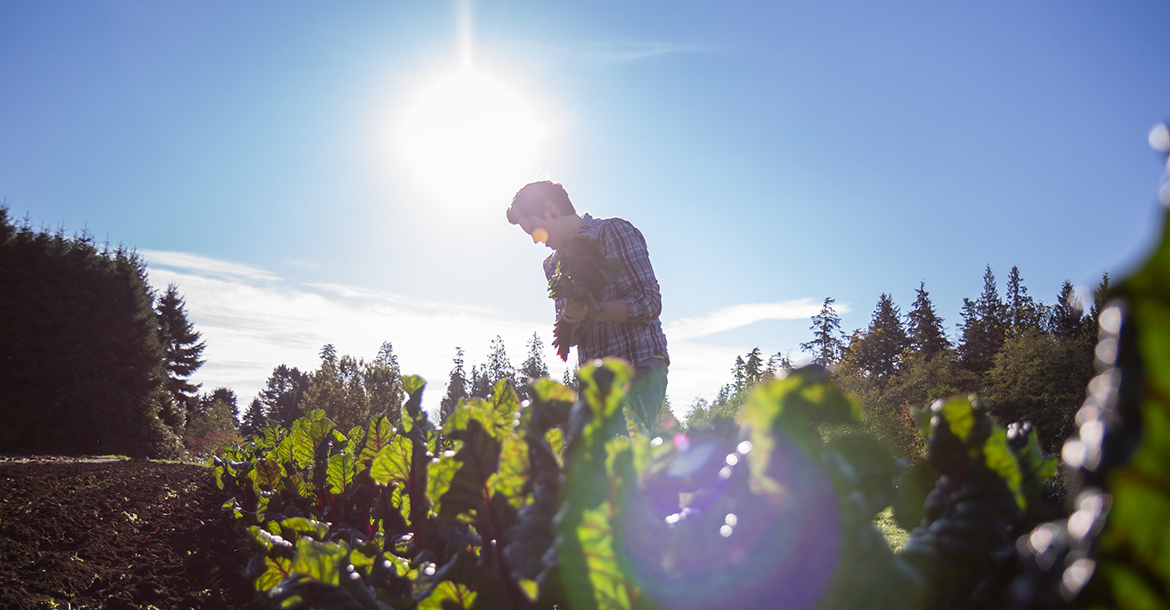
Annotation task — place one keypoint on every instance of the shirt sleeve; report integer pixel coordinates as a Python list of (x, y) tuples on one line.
[(636, 283)]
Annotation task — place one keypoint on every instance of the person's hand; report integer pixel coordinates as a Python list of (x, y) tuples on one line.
[(575, 312)]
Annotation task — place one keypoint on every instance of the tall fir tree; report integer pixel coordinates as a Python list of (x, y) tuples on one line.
[(1067, 317), (738, 375), (254, 418), (481, 383), (498, 366), (924, 327), (984, 327), (876, 352), (532, 368), (457, 387), (182, 348), (570, 379), (1023, 314), (828, 342), (753, 367)]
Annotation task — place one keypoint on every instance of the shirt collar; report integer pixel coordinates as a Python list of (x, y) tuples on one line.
[(586, 224)]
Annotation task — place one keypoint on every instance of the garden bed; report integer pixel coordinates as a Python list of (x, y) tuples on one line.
[(117, 534)]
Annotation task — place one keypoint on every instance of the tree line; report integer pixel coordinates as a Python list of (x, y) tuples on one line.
[(92, 359), (1028, 360)]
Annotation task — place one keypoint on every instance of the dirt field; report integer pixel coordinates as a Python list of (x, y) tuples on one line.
[(123, 534)]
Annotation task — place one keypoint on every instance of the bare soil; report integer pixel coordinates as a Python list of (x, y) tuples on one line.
[(118, 534)]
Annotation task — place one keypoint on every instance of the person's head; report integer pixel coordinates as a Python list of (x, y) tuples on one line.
[(544, 211)]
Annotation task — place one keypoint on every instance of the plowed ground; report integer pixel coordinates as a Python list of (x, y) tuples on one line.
[(125, 534)]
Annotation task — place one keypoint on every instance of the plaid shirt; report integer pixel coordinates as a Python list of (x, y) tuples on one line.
[(641, 337)]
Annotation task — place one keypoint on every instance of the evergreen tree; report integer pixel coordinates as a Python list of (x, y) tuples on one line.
[(753, 367), (1067, 316), (738, 375), (570, 380), (381, 382), (1023, 315), (183, 348), (81, 362), (498, 366), (778, 362), (924, 327), (481, 384), (254, 419), (1101, 296), (828, 341), (533, 367), (283, 393), (215, 413), (457, 388), (984, 327)]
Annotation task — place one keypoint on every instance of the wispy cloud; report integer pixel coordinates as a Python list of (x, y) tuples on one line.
[(202, 264), (736, 316)]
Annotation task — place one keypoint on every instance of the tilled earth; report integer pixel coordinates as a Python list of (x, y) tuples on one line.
[(124, 534)]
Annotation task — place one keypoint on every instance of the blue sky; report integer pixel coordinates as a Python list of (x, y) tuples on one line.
[(772, 153)]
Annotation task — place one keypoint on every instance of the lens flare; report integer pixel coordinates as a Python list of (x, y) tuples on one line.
[(699, 536)]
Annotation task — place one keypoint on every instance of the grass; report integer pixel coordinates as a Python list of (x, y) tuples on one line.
[(895, 536)]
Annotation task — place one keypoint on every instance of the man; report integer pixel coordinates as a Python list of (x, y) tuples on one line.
[(626, 325)]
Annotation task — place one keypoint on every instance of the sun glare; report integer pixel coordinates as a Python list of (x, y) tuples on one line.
[(469, 136)]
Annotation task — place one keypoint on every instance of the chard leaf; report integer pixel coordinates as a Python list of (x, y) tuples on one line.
[(448, 596), (392, 463), (268, 474), (276, 570), (478, 460), (341, 473), (379, 436), (300, 525), (321, 561), (307, 435)]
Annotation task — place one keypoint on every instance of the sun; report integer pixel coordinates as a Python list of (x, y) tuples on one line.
[(469, 136)]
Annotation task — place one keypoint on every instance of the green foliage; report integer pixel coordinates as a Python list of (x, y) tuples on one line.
[(582, 273), (83, 365), (181, 345), (350, 391)]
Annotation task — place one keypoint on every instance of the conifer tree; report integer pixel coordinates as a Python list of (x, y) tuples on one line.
[(182, 348), (1067, 314), (828, 342), (253, 420), (753, 367), (481, 384), (533, 367), (924, 327), (738, 375), (570, 380), (1023, 315), (984, 327), (498, 365), (457, 387), (876, 351)]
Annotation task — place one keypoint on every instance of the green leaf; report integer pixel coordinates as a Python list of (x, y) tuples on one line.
[(308, 432), (321, 561), (342, 469), (276, 570), (448, 596), (379, 436), (392, 463), (478, 460), (268, 474), (512, 471), (300, 525), (412, 413), (603, 385)]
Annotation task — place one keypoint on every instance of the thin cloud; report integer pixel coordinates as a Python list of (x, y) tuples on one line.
[(736, 316), (205, 265)]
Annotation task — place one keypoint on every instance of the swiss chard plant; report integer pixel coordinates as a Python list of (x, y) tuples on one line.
[(582, 274)]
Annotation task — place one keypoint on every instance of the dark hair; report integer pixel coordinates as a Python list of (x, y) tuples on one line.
[(529, 200)]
